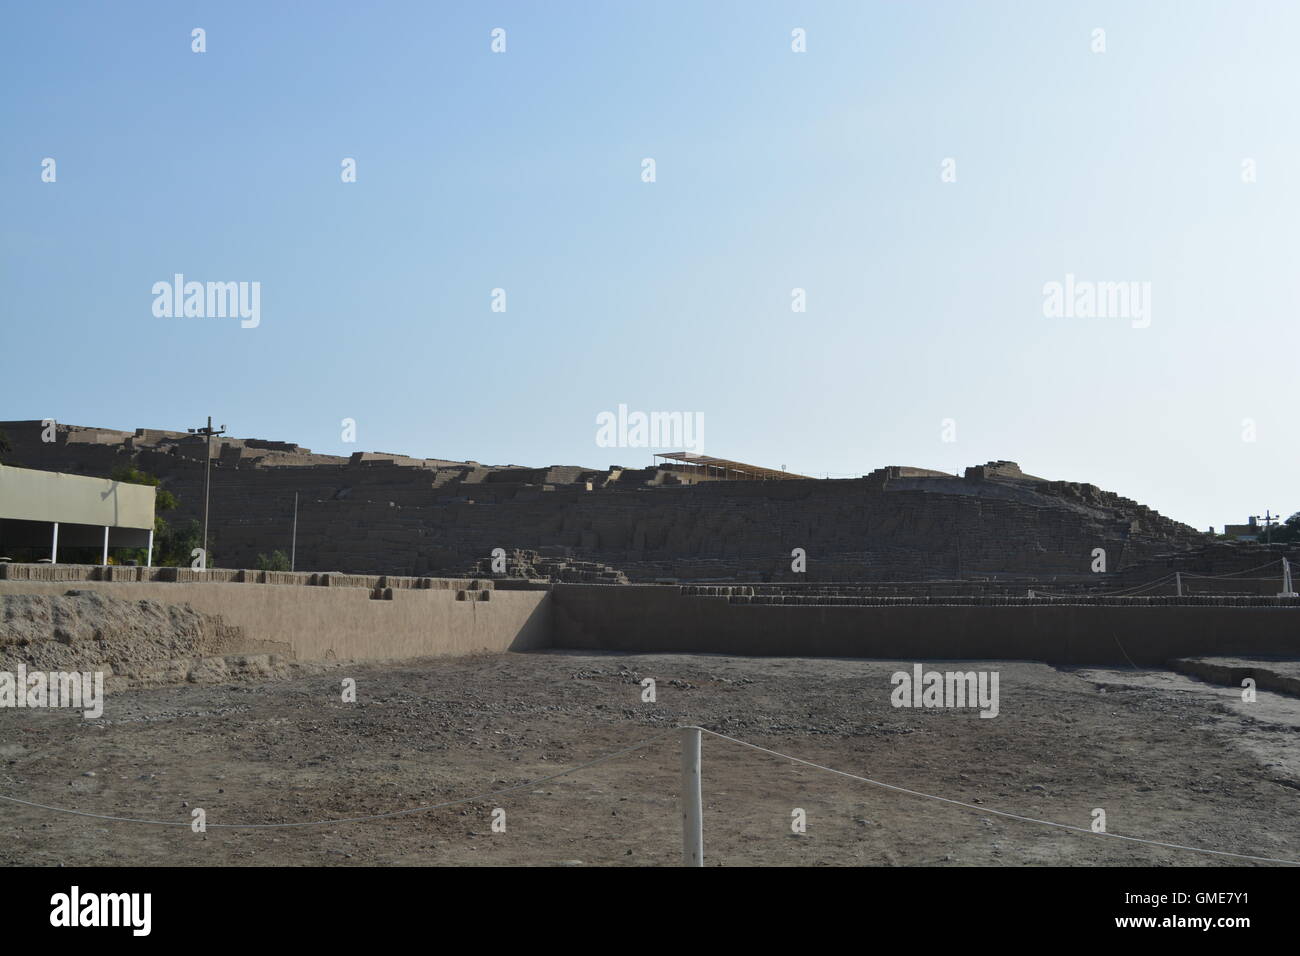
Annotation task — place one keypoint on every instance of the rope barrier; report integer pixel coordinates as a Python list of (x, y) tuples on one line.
[(1218, 577), (1137, 589), (1229, 574), (1001, 813), (1121, 592), (640, 746)]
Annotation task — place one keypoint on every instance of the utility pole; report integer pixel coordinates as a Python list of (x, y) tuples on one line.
[(208, 432), (1269, 520), (293, 548)]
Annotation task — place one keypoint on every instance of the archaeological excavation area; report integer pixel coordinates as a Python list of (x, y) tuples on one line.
[(1169, 756), (479, 664), (224, 693)]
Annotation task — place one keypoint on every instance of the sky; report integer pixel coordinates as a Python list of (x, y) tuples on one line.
[(922, 171)]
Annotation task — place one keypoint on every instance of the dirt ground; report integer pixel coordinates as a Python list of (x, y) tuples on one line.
[(1168, 758)]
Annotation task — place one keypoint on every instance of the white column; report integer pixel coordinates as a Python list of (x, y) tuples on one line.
[(149, 560), (1288, 589), (692, 802), (104, 560), (54, 547)]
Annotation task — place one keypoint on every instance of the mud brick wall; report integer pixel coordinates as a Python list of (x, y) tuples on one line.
[(306, 621), (849, 532), (386, 515), (659, 619)]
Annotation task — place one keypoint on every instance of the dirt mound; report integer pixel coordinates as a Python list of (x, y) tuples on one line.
[(82, 629), (231, 669)]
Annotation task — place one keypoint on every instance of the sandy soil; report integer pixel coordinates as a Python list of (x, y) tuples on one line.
[(1166, 756)]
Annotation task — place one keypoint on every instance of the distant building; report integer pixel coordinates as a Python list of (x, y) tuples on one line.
[(1243, 532)]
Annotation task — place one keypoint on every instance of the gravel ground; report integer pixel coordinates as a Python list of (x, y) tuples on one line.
[(1167, 757)]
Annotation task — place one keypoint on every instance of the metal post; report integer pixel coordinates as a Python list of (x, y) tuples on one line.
[(1178, 582), (1287, 589), (692, 802), (105, 557), (207, 478), (148, 561), (293, 548), (54, 546)]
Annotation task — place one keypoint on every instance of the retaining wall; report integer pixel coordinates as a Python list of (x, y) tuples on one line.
[(313, 617), (657, 619), (347, 622)]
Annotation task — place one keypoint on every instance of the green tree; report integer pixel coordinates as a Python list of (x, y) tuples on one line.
[(172, 545), (175, 544), (278, 561), (1287, 531), (164, 499)]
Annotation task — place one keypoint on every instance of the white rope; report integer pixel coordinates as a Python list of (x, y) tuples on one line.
[(1001, 813), (639, 746), (1230, 574), (1136, 589), (1122, 591), (1224, 577), (327, 823)]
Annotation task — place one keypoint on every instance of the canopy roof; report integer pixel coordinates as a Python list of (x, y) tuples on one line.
[(737, 470)]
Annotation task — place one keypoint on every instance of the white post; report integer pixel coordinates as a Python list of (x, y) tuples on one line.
[(1178, 582), (1287, 589), (104, 559), (54, 546), (692, 803), (148, 562)]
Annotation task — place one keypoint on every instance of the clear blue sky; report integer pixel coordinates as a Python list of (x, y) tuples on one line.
[(775, 170)]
